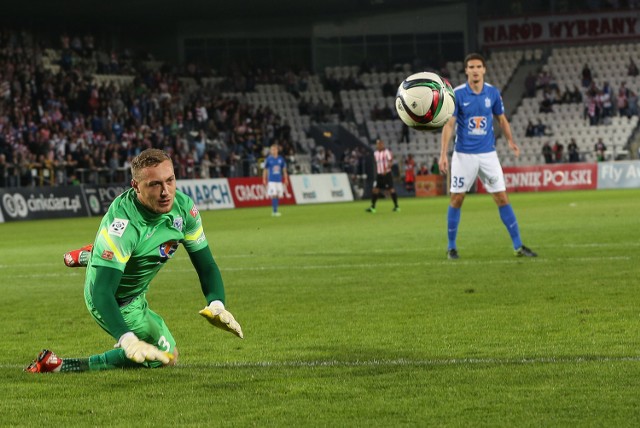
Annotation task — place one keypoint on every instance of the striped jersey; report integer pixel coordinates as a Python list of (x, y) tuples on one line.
[(138, 242), (384, 159), (474, 117)]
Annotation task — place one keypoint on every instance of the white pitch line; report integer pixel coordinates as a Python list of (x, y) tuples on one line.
[(330, 253), (402, 362), (412, 250), (599, 245), (412, 264), (367, 251), (46, 275), (30, 265), (467, 262)]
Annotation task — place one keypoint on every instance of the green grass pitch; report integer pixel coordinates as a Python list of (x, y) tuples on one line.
[(352, 319)]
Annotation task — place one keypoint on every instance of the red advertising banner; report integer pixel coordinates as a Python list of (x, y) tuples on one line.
[(250, 192), (539, 178)]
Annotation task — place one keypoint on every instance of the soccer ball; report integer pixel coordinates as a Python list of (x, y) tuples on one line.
[(425, 101)]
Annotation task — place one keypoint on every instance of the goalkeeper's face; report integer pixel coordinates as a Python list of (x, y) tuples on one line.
[(156, 187)]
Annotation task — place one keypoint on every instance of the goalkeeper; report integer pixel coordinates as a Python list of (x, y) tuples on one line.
[(140, 232)]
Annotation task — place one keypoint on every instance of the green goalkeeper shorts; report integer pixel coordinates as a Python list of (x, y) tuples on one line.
[(143, 322)]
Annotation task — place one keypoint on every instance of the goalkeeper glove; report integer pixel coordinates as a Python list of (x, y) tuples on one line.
[(218, 316), (140, 351)]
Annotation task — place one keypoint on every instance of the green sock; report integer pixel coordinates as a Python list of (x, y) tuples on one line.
[(113, 359), (83, 258), (74, 365)]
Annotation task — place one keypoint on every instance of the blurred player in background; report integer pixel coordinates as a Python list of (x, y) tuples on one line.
[(140, 232), (384, 177), (475, 151), (275, 177)]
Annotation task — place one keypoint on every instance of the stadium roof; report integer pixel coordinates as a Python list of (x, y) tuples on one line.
[(184, 10)]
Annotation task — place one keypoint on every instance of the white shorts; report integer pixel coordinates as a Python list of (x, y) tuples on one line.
[(466, 167), (275, 189)]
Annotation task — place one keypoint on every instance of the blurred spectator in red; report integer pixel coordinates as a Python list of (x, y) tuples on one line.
[(622, 99), (409, 173), (558, 152)]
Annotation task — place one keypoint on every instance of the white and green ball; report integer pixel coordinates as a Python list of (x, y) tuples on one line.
[(425, 101)]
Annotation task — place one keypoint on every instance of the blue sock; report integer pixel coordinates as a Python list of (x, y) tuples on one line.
[(453, 219), (509, 219), (274, 204)]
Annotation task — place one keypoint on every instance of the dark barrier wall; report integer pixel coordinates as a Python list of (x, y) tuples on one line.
[(42, 202), (35, 203), (100, 197)]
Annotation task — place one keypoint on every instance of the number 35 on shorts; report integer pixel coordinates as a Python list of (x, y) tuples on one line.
[(457, 182)]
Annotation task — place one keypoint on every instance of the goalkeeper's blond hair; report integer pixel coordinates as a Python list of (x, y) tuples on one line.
[(149, 157)]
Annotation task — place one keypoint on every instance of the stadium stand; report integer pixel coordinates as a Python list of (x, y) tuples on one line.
[(92, 109), (609, 66), (87, 112)]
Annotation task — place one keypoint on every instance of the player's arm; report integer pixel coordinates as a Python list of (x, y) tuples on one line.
[(213, 290), (265, 173), (284, 173), (506, 131), (209, 274), (447, 132), (103, 294)]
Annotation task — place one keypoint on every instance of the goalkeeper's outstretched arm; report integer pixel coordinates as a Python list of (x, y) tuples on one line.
[(213, 290), (209, 274)]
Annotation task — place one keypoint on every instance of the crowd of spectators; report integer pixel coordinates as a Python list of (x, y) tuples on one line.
[(321, 112), (64, 119), (603, 102), (552, 94), (600, 101), (536, 130), (556, 154), (61, 126)]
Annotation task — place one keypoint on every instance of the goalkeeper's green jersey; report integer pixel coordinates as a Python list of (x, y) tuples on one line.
[(139, 242)]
